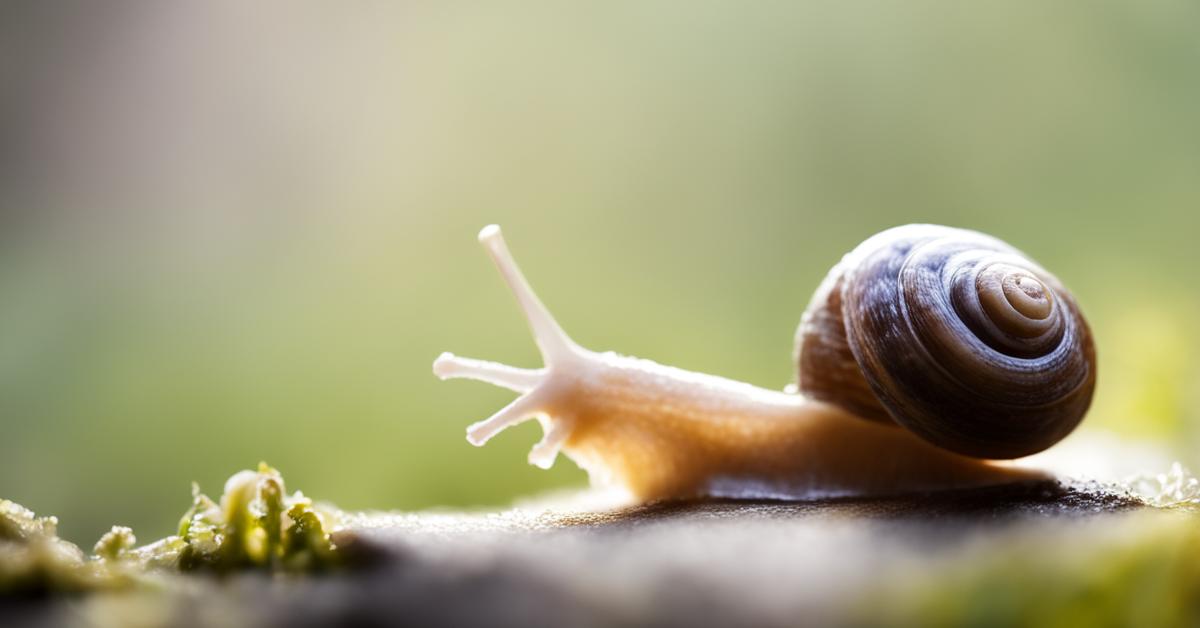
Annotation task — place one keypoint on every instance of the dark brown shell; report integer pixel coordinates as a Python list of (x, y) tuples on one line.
[(954, 335)]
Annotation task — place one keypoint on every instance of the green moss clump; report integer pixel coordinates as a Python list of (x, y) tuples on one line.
[(33, 558), (255, 525)]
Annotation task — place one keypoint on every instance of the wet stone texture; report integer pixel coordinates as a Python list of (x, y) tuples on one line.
[(707, 563)]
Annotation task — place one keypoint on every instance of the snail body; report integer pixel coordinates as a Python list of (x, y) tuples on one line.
[(924, 355)]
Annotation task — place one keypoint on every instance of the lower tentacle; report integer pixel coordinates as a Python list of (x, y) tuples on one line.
[(556, 430), (520, 410)]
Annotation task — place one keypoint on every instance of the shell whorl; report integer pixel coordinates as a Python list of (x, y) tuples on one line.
[(954, 335)]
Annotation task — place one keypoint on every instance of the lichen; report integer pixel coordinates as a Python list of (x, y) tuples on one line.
[(255, 525)]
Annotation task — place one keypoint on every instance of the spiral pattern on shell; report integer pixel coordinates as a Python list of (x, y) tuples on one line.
[(954, 335)]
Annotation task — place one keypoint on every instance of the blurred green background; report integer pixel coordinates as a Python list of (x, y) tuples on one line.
[(236, 233)]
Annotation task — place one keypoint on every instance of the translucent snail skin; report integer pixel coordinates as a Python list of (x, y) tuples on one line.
[(898, 390)]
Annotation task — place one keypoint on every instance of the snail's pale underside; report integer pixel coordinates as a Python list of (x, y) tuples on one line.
[(926, 354)]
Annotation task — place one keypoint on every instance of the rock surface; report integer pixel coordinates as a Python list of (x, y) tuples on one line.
[(707, 563)]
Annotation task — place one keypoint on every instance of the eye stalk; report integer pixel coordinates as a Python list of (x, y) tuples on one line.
[(551, 340)]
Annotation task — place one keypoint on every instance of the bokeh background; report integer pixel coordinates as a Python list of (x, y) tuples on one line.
[(233, 232)]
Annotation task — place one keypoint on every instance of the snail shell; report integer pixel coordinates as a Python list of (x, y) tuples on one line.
[(954, 335)]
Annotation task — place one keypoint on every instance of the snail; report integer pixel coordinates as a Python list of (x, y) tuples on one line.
[(927, 358)]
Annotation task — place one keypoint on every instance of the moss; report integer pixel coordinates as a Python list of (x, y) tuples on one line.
[(255, 525), (115, 544), (33, 558)]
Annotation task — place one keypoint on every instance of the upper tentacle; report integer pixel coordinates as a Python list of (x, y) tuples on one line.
[(551, 340)]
